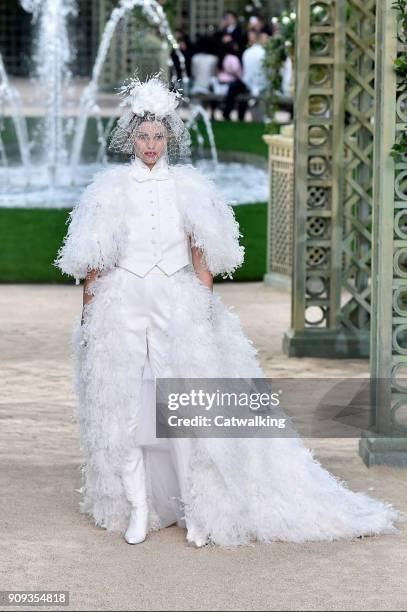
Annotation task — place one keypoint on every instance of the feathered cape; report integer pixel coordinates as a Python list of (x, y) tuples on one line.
[(97, 228), (239, 490)]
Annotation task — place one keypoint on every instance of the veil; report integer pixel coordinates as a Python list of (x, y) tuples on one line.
[(151, 100)]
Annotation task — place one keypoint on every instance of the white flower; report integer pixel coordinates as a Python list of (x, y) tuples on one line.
[(293, 15), (274, 20), (285, 20), (152, 96)]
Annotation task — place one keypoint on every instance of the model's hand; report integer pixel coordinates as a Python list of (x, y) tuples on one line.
[(203, 274), (90, 278)]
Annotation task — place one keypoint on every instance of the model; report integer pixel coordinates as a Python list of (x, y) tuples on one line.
[(148, 237)]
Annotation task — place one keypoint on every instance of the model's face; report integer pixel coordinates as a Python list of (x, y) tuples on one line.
[(150, 141)]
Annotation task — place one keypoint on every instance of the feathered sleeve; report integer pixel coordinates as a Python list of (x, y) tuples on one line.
[(210, 222), (90, 242)]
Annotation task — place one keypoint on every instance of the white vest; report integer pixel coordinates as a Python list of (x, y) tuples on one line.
[(156, 233)]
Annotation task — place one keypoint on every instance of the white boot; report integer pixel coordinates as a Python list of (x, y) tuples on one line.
[(137, 529), (196, 536), (134, 481)]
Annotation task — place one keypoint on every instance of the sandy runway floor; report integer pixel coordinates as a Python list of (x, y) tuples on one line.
[(47, 545)]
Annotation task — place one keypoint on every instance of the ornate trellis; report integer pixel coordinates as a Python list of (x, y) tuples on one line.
[(350, 229), (318, 213), (135, 45), (354, 314), (280, 210), (333, 188), (201, 15), (196, 16), (388, 441)]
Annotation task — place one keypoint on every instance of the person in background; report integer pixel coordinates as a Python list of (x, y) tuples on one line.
[(230, 30), (258, 23), (204, 64), (186, 50), (253, 80), (287, 77), (229, 68)]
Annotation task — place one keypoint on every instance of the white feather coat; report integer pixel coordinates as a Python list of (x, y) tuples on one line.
[(241, 490)]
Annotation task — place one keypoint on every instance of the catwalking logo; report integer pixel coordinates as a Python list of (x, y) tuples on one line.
[(222, 421)]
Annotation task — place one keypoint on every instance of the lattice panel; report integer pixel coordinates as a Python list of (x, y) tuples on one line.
[(335, 97), (398, 420), (134, 45), (83, 37), (281, 205), (318, 80), (207, 13), (358, 137), (16, 33), (388, 359)]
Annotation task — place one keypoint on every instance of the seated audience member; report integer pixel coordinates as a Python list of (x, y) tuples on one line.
[(253, 81), (229, 69), (204, 65)]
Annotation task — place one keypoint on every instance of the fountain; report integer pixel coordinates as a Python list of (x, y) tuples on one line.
[(59, 174), (9, 95)]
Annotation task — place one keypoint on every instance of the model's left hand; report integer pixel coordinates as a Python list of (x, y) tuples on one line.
[(203, 274)]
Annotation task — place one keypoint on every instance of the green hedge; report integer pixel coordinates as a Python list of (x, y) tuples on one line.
[(236, 136), (30, 239)]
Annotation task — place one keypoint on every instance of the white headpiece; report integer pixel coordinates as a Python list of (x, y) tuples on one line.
[(151, 100)]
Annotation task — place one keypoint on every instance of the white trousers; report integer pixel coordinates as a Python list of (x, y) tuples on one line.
[(156, 467)]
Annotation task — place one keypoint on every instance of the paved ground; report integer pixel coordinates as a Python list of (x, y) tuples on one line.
[(47, 544)]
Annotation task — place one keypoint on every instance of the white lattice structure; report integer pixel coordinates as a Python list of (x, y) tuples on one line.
[(280, 208)]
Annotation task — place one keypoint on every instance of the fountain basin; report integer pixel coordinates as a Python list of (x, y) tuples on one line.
[(241, 177), (239, 183)]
